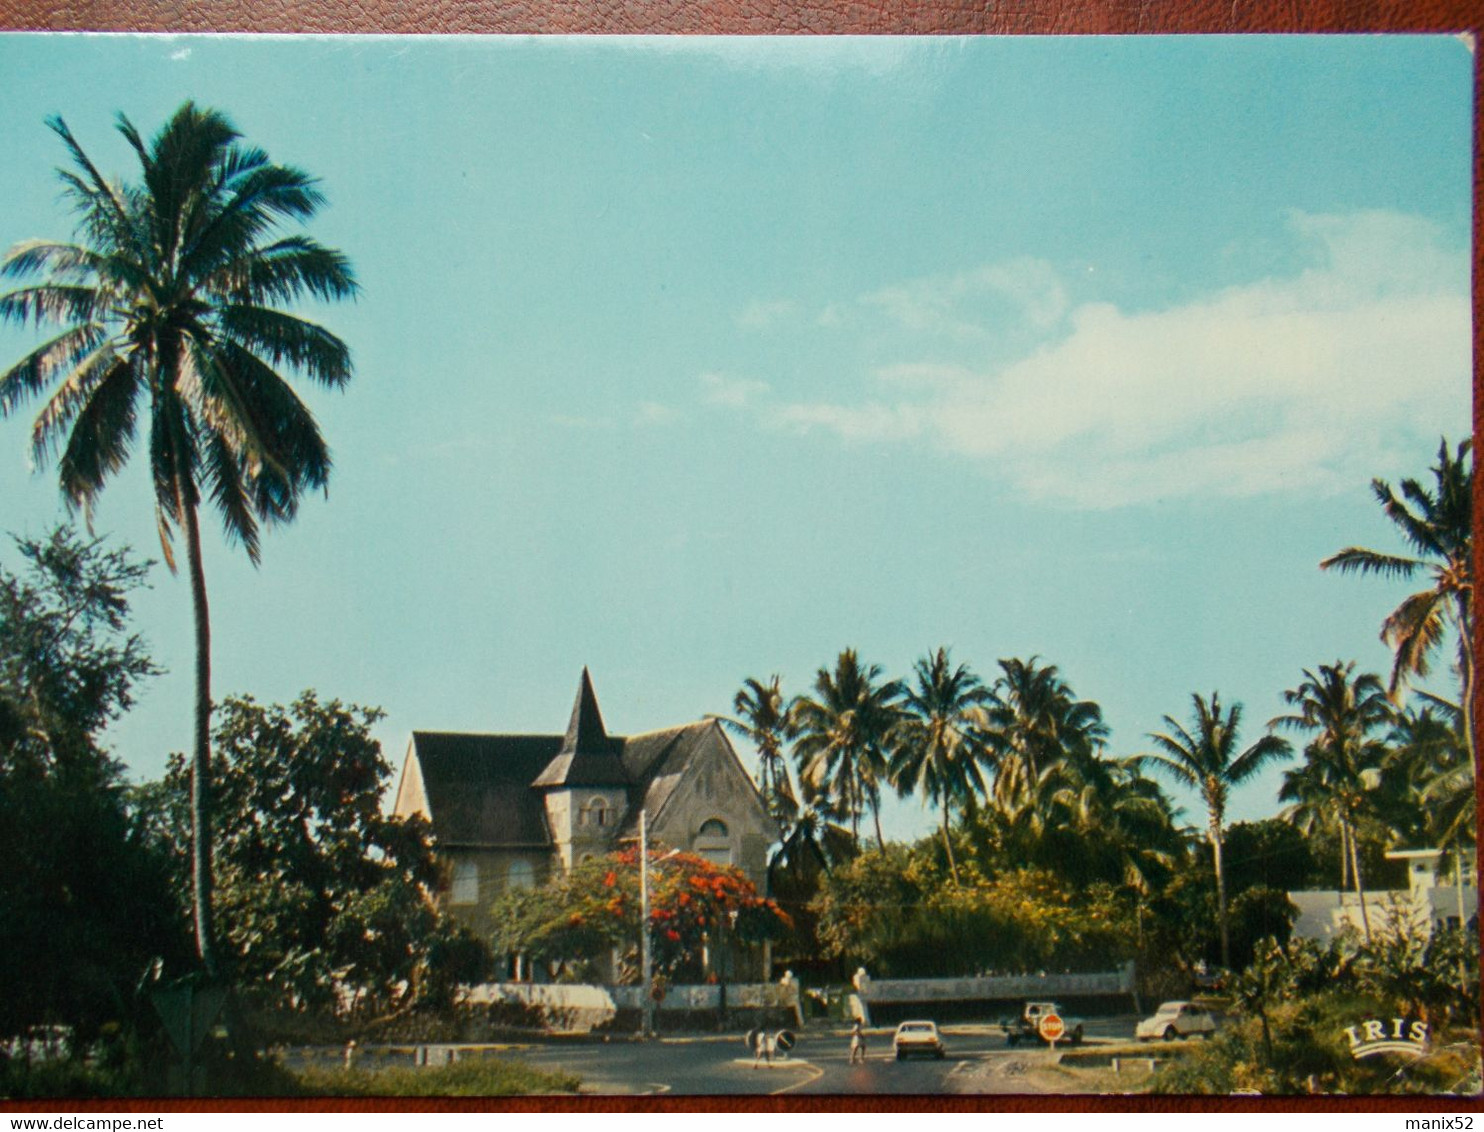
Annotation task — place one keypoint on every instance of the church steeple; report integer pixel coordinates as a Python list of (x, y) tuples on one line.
[(585, 732), (588, 757)]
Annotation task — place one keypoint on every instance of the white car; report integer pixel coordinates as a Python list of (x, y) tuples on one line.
[(1176, 1020), (917, 1037)]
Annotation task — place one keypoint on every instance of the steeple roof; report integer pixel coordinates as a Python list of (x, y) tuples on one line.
[(588, 757)]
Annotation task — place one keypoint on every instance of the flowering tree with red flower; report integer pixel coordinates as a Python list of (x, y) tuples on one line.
[(594, 910)]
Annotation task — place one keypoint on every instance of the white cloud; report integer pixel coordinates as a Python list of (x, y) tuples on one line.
[(873, 421), (957, 305), (1288, 383), (763, 314), (654, 413), (731, 392)]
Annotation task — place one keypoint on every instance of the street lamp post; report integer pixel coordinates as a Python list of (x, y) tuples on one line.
[(645, 975)]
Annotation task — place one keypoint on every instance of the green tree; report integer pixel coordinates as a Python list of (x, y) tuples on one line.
[(581, 916), (169, 303), (1429, 785), (1437, 524), (843, 732), (1108, 823), (1035, 721), (322, 895), (1206, 759), (938, 745), (1344, 759), (765, 718), (87, 904), (1271, 853)]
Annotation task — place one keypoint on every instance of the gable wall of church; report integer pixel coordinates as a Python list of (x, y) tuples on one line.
[(715, 788)]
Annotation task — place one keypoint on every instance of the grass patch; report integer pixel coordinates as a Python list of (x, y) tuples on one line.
[(1099, 1079), (474, 1077)]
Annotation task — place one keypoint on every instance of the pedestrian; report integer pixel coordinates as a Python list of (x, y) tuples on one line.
[(858, 1043), (763, 1049)]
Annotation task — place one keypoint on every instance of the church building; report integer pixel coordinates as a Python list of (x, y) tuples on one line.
[(511, 811)]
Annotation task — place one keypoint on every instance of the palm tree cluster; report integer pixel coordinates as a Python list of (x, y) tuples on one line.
[(1021, 762), (1022, 756)]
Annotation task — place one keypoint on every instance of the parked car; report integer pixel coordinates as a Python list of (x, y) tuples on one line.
[(1027, 1027), (1176, 1020), (1211, 979), (917, 1037)]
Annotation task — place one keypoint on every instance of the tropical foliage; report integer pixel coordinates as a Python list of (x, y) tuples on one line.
[(891, 911), (1206, 758), (1437, 524), (324, 899), (1337, 784), (87, 904), (938, 744), (168, 307), (844, 736), (582, 917)]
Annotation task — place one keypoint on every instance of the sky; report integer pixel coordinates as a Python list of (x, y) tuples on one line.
[(691, 360)]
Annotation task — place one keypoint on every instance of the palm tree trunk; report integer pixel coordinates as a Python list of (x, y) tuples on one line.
[(201, 887), (876, 816), (1226, 949), (948, 844), (1365, 918), (1344, 856)]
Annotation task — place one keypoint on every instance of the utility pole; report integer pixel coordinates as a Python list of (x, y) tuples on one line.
[(645, 977)]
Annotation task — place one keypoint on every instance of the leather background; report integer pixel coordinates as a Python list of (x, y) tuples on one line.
[(743, 17)]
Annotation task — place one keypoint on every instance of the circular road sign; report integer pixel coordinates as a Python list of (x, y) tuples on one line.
[(1052, 1027)]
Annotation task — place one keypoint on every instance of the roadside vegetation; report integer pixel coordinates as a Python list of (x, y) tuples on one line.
[(475, 1077)]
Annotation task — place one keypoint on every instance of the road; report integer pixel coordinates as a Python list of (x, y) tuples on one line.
[(977, 1061)]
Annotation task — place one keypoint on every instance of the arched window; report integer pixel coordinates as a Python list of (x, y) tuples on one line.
[(465, 886), (713, 842), (520, 875), (596, 812)]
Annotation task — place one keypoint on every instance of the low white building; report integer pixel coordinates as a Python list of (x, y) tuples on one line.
[(1434, 899)]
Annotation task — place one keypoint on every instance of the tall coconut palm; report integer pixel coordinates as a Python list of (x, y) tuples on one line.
[(1438, 525), (938, 746), (1428, 777), (1205, 758), (170, 305), (1309, 811), (766, 720), (842, 736), (1344, 710), (1034, 722)]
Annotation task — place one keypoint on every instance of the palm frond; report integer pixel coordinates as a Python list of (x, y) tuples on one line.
[(1412, 631), (51, 302), (92, 192), (68, 262), (1416, 527), (1359, 560), (62, 408), (284, 338), (228, 488), (101, 434), (1268, 749), (31, 375)]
